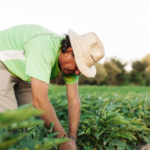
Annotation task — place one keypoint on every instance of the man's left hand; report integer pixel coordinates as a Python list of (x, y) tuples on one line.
[(73, 143)]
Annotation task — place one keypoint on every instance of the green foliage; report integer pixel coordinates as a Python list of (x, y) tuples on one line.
[(7, 141), (112, 70), (146, 59), (138, 75), (111, 118), (37, 137), (123, 77), (139, 66)]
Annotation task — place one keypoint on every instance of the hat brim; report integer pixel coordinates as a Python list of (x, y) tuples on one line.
[(84, 69)]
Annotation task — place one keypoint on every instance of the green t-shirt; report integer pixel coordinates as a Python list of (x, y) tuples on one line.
[(32, 51)]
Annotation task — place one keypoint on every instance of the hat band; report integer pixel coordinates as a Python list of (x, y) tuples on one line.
[(93, 58)]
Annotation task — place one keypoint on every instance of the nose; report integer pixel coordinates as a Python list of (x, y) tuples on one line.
[(77, 72)]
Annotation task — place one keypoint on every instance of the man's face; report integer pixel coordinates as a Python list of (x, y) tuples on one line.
[(69, 66)]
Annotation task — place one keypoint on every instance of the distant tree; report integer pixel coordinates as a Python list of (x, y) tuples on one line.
[(138, 74), (147, 78), (118, 63), (139, 66), (101, 74), (121, 78), (146, 59), (112, 71)]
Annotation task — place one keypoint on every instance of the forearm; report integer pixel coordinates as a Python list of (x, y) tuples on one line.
[(49, 115), (74, 117)]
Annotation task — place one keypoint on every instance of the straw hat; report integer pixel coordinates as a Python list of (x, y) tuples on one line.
[(88, 50)]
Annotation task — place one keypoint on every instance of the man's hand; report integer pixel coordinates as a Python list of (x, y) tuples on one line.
[(71, 145)]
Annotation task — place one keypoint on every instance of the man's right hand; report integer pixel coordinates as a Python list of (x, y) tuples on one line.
[(41, 101), (66, 146)]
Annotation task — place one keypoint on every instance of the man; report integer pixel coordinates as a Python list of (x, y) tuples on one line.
[(30, 56)]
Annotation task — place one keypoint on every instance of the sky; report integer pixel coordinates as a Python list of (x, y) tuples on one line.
[(123, 26)]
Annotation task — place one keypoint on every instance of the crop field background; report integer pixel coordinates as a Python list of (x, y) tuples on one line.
[(112, 118)]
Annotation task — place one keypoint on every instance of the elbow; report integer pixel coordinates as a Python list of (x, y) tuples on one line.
[(35, 104), (75, 104), (38, 101)]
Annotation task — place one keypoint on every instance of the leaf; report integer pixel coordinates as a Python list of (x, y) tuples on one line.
[(25, 124), (126, 135), (18, 115), (111, 107), (137, 122), (145, 128), (31, 144), (88, 131), (87, 143), (120, 144), (52, 134), (9, 140), (146, 138), (128, 147), (51, 126), (97, 135), (118, 121), (51, 143), (111, 148), (88, 148)]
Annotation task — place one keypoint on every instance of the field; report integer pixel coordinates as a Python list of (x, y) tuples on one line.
[(112, 118)]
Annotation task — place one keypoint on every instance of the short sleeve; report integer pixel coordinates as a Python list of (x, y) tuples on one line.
[(71, 78), (39, 59)]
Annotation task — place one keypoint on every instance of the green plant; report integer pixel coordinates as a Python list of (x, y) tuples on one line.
[(111, 117), (37, 136)]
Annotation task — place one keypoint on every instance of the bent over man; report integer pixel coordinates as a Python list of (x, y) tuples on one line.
[(30, 56)]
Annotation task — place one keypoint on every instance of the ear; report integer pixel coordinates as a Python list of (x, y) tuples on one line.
[(69, 51)]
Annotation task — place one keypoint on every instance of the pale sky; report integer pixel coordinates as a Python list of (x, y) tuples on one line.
[(122, 25)]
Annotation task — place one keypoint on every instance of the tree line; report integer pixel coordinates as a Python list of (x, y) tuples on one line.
[(113, 72)]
